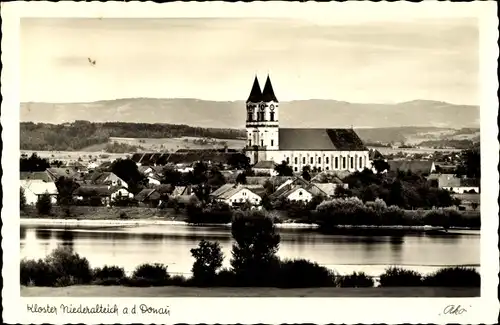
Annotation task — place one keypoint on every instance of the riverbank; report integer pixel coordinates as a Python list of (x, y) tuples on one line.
[(172, 291)]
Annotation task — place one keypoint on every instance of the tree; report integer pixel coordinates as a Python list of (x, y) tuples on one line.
[(22, 199), (474, 205), (306, 173), (33, 163), (380, 165), (127, 170), (215, 178), (241, 178), (470, 163), (283, 169), (208, 258), (256, 245), (238, 161), (44, 204), (171, 176), (65, 187)]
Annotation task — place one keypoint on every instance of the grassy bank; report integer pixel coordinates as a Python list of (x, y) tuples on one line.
[(173, 291), (105, 213)]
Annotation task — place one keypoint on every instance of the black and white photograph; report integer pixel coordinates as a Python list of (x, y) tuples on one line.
[(250, 153)]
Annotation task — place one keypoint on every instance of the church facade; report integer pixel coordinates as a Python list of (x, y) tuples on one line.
[(325, 149)]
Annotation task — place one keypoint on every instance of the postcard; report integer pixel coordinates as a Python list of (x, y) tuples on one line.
[(264, 162)]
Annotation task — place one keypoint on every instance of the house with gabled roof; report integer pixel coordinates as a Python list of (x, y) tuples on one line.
[(36, 176), (236, 194), (265, 167), (33, 189), (148, 197), (323, 149), (454, 184)]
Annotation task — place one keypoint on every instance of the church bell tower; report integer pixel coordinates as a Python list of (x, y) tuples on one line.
[(262, 122)]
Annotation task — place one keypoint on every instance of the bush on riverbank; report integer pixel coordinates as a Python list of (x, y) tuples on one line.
[(453, 277), (355, 280), (353, 212), (301, 273), (398, 277), (215, 213), (62, 267), (149, 275)]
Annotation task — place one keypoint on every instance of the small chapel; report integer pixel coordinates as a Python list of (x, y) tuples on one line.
[(325, 149)]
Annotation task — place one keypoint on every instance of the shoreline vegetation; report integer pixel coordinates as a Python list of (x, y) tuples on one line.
[(254, 263), (329, 217)]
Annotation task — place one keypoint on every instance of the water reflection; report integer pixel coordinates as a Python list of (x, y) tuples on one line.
[(370, 252)]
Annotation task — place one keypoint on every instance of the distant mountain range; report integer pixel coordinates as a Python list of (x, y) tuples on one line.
[(214, 114)]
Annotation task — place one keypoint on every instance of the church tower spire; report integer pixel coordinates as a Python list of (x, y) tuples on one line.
[(255, 93), (268, 92)]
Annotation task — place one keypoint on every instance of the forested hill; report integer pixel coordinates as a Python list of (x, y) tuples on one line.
[(81, 134)]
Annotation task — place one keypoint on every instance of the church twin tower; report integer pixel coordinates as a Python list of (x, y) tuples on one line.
[(262, 118)]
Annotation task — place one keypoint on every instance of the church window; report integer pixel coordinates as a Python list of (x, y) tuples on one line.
[(272, 143), (319, 160), (312, 160), (262, 143), (343, 162), (360, 162), (327, 160), (271, 116), (327, 168), (287, 160), (336, 162), (250, 117), (304, 160), (295, 169), (352, 162), (249, 143), (296, 160)]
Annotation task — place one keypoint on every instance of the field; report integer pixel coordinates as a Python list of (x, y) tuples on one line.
[(172, 144), (385, 151), (171, 291), (149, 145)]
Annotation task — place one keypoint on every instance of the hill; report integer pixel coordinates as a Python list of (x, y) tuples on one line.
[(214, 114)]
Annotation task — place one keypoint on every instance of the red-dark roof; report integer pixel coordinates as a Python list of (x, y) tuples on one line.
[(268, 92), (255, 93), (320, 139)]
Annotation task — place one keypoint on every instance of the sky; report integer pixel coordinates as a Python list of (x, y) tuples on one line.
[(217, 59)]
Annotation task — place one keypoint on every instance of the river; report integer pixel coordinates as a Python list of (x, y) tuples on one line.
[(129, 246)]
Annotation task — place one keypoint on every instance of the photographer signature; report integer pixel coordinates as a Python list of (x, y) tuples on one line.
[(454, 310)]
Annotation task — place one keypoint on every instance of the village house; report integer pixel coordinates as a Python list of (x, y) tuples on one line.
[(265, 167), (36, 176), (68, 172), (455, 184), (88, 193), (33, 189), (235, 194), (105, 178), (148, 197), (298, 189)]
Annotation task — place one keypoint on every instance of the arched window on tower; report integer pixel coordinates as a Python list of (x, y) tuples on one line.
[(271, 116), (250, 116)]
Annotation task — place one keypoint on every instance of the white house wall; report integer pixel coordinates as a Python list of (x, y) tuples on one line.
[(242, 196), (300, 195), (322, 159)]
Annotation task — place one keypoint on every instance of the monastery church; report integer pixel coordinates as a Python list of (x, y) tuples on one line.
[(325, 149)]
